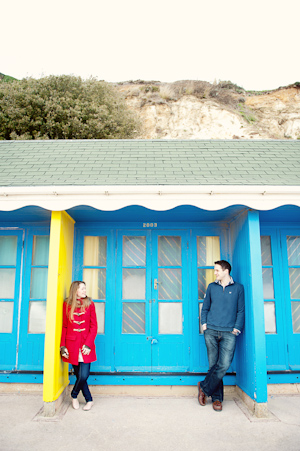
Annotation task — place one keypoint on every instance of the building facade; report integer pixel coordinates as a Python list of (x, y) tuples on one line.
[(142, 222)]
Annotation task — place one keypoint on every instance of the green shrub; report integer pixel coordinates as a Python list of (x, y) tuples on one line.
[(150, 88), (64, 107)]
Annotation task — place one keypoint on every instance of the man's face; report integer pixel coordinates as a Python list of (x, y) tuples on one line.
[(220, 273)]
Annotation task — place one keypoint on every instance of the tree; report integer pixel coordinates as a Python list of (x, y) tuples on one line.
[(64, 107)]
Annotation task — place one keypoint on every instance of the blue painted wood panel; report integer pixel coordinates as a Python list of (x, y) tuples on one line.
[(133, 301), (282, 346), (11, 302), (172, 350), (133, 341), (276, 343), (31, 344), (24, 350), (290, 244), (246, 269)]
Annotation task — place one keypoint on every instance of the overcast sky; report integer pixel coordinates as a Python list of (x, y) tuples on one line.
[(255, 44)]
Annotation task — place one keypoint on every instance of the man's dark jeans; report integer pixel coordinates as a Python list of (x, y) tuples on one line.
[(82, 372), (220, 350)]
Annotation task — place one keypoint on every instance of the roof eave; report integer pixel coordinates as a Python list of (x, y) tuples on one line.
[(154, 197)]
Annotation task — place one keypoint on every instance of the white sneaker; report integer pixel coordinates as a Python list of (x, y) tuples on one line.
[(88, 405), (75, 403)]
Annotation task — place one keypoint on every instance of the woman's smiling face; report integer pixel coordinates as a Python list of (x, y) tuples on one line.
[(81, 291)]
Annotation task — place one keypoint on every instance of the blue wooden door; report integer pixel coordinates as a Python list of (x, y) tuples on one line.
[(11, 245), (34, 299), (281, 282), (274, 301), (169, 302), (133, 339), (151, 302), (290, 242)]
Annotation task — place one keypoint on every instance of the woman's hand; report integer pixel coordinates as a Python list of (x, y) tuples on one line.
[(64, 352), (85, 350)]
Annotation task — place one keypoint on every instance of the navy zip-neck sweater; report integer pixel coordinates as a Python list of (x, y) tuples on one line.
[(224, 308)]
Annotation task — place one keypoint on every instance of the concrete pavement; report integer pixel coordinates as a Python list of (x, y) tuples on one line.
[(131, 423)]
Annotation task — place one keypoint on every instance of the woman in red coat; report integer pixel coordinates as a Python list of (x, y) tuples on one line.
[(77, 344)]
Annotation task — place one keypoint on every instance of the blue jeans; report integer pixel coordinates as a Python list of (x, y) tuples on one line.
[(220, 351), (82, 372)]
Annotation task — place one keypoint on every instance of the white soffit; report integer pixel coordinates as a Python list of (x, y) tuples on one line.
[(109, 198)]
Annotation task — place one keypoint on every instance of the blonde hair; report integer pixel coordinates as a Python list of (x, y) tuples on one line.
[(71, 300)]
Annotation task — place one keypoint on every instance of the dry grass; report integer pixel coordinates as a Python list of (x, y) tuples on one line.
[(167, 92), (223, 92)]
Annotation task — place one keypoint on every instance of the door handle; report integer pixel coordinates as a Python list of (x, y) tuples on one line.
[(156, 283), (154, 341)]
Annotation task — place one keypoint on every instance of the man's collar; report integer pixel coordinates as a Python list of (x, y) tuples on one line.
[(231, 281)]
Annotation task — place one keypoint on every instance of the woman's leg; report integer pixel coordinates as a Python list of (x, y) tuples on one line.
[(82, 372)]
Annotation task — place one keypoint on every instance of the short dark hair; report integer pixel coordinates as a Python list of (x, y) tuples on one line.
[(224, 264)]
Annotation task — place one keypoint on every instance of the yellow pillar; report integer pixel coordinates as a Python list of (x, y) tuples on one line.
[(59, 280)]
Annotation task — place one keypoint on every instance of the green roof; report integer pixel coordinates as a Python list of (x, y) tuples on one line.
[(149, 162)]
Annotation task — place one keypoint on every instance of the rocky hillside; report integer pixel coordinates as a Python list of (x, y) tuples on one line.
[(200, 110)]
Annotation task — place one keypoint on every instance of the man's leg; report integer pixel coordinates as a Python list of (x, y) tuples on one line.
[(213, 384), (212, 342), (218, 394), (212, 347)]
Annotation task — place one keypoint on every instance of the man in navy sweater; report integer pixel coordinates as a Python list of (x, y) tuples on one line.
[(222, 319)]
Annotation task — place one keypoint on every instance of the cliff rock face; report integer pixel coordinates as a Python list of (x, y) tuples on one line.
[(279, 112), (200, 110)]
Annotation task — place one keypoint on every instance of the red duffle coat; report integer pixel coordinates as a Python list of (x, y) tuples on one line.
[(82, 330)]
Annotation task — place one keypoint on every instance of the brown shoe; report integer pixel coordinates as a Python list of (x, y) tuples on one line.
[(217, 406), (201, 396)]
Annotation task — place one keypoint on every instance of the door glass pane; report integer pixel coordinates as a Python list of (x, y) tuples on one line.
[(95, 249), (134, 250), (39, 279), (208, 250), (6, 317), (293, 248), (95, 280), (205, 277), (170, 318), (296, 317), (134, 284), (268, 283), (270, 319), (169, 251), (7, 283), (100, 312), (266, 254), (294, 274), (200, 325), (133, 318), (37, 317), (8, 250), (40, 250), (170, 285)]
